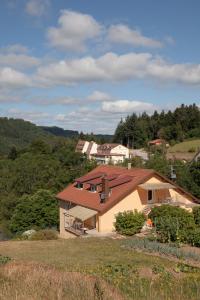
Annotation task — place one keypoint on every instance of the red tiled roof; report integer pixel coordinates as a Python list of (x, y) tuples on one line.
[(98, 181), (91, 200), (130, 178), (89, 176), (157, 141)]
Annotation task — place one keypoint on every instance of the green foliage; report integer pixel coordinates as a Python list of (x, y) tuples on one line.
[(39, 210), (129, 222), (161, 248), (158, 269), (16, 133), (4, 259), (172, 223), (196, 213), (45, 234), (193, 237), (184, 268), (37, 167)]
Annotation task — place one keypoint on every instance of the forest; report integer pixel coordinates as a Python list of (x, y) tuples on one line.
[(173, 126)]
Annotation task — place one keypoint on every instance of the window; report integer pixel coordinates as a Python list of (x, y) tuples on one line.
[(93, 188), (79, 185), (150, 195)]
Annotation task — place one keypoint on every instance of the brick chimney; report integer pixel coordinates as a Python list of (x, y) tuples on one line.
[(105, 190)]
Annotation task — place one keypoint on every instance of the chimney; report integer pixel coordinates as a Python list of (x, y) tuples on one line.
[(129, 166), (105, 190)]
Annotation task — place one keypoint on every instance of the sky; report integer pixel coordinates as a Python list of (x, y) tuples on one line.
[(85, 64)]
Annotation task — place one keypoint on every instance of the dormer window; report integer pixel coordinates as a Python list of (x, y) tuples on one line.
[(79, 185), (93, 188)]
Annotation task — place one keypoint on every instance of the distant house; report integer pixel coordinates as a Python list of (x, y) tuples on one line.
[(86, 147), (114, 153), (90, 204), (158, 142), (139, 153), (103, 154)]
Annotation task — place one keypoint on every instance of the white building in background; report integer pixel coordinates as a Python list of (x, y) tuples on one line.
[(139, 153), (103, 154)]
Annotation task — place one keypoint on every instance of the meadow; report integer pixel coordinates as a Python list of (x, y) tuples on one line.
[(92, 268)]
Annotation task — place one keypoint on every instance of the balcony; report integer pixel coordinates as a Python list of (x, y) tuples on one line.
[(78, 220)]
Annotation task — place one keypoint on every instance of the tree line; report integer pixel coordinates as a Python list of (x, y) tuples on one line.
[(173, 126)]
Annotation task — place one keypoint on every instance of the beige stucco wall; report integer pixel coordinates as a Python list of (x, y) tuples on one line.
[(120, 149), (63, 233), (130, 202)]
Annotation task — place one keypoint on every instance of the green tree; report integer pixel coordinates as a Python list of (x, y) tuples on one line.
[(39, 210)]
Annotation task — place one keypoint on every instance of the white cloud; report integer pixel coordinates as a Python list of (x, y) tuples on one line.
[(15, 48), (73, 30), (127, 106), (38, 117), (20, 61), (17, 56), (10, 78), (110, 67), (114, 67), (122, 34), (98, 96), (37, 8)]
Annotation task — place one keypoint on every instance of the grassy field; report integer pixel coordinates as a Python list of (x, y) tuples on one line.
[(185, 146), (90, 269)]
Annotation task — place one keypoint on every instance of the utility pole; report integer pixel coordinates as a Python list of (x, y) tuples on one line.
[(172, 173)]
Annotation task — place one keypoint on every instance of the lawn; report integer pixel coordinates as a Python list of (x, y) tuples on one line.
[(133, 274), (185, 146)]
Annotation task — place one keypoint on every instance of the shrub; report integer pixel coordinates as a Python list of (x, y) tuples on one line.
[(193, 237), (45, 234), (172, 223), (196, 213), (129, 222), (4, 259)]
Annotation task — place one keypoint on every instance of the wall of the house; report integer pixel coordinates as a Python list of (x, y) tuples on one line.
[(85, 147), (121, 150), (130, 202), (63, 233), (137, 200)]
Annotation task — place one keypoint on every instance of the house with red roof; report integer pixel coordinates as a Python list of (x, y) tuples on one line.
[(105, 153), (92, 201)]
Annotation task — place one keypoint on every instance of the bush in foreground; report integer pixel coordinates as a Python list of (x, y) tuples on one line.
[(196, 213), (129, 222), (172, 223), (193, 237), (45, 234)]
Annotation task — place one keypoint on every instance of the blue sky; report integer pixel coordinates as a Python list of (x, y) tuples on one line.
[(83, 65)]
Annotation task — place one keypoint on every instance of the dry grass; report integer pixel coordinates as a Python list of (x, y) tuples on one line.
[(31, 281), (72, 266)]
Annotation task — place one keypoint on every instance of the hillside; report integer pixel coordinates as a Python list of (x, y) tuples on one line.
[(60, 131), (19, 133), (186, 146), (100, 138), (66, 269)]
